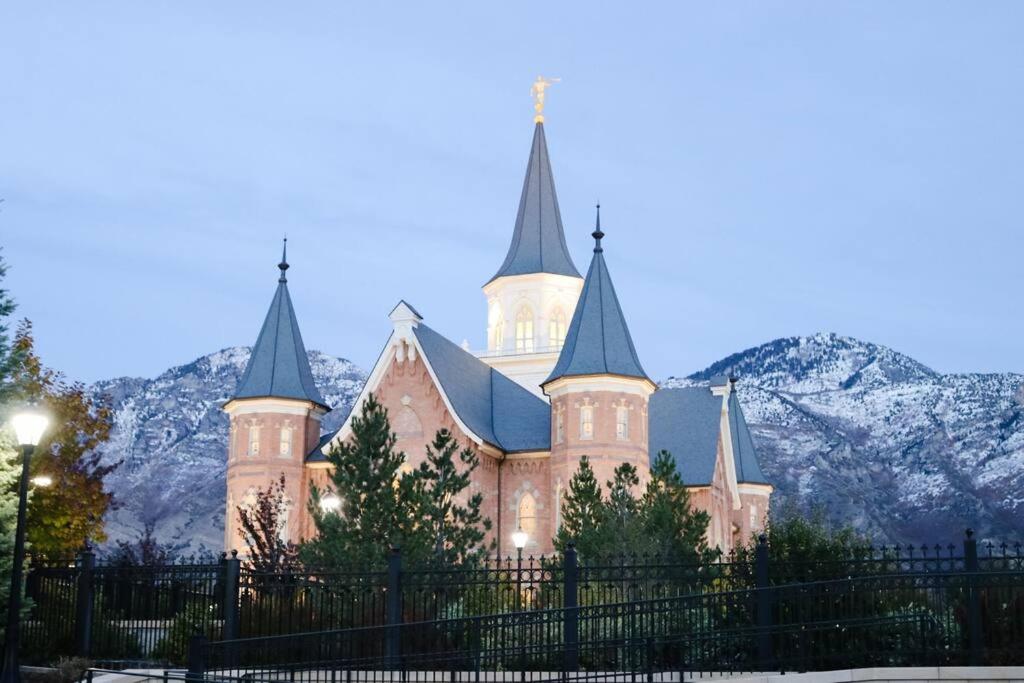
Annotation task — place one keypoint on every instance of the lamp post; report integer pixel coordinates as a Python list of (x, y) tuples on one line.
[(519, 538), (29, 426)]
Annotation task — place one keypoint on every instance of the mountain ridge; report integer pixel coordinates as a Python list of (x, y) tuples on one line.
[(876, 438)]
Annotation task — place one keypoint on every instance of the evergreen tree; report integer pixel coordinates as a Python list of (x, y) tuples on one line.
[(621, 521), (454, 532), (10, 461), (145, 551), (378, 506), (583, 513), (65, 516), (263, 526), (671, 528)]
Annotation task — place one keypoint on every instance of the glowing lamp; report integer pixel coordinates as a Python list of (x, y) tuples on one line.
[(330, 503), (43, 480), (29, 425), (519, 539)]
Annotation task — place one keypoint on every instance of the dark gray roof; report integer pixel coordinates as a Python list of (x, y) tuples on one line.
[(686, 423), (278, 366), (538, 242), (494, 407), (318, 454), (598, 341), (748, 469)]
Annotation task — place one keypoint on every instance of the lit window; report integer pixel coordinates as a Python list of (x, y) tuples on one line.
[(254, 440), (524, 330), (559, 426), (587, 422), (556, 329), (527, 514), (499, 335), (286, 441), (622, 422)]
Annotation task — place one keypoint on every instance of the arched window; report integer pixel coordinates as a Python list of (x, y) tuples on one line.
[(622, 423), (559, 426), (524, 330), (254, 440), (587, 422), (499, 335), (285, 448), (556, 329), (496, 323), (526, 519)]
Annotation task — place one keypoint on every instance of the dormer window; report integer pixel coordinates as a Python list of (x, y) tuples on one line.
[(587, 422), (524, 330), (622, 423)]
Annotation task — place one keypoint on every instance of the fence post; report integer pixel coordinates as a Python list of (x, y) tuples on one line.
[(392, 642), (974, 633), (230, 607), (197, 656), (762, 582), (84, 601), (570, 605)]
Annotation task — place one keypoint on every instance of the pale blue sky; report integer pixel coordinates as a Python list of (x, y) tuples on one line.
[(765, 169)]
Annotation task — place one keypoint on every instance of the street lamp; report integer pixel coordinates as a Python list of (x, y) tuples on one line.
[(519, 539), (29, 426)]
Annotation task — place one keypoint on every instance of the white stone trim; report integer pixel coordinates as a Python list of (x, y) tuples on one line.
[(594, 383), (282, 406)]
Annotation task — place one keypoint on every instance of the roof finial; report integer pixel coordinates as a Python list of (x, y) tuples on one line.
[(537, 91), (283, 265), (597, 234)]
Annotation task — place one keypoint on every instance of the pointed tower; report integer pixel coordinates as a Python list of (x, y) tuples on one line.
[(533, 294), (599, 391), (275, 418)]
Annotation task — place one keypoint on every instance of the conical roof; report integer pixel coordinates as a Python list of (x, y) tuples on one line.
[(279, 366), (598, 340), (538, 242)]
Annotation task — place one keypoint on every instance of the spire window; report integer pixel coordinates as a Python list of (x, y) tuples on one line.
[(556, 329), (559, 426), (587, 422), (622, 423), (254, 440), (524, 330), (285, 448)]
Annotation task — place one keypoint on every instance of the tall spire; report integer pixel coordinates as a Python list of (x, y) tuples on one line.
[(279, 366), (283, 265), (538, 241), (598, 340)]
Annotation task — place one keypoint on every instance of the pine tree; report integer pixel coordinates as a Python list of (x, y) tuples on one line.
[(670, 526), (65, 516), (378, 506), (263, 526), (583, 513), (454, 532), (621, 521), (10, 461)]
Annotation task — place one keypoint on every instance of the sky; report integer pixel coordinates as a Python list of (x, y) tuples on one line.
[(765, 169)]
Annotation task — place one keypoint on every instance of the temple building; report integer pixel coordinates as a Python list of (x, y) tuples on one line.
[(560, 379)]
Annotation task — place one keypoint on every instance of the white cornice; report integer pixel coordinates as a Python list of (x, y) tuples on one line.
[(285, 406), (583, 383)]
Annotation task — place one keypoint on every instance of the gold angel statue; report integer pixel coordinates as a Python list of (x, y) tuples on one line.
[(537, 92)]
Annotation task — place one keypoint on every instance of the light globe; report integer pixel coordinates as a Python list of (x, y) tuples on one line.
[(519, 539), (29, 425)]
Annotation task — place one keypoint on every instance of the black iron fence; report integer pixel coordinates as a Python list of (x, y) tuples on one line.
[(907, 619), (119, 613)]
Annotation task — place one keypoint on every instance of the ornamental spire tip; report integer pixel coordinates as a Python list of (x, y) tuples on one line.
[(283, 265)]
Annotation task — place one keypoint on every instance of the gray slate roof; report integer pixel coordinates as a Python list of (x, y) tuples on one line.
[(598, 341), (538, 242), (279, 366), (494, 407), (748, 469), (685, 422)]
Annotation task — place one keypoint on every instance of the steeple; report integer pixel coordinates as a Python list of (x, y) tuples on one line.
[(278, 366), (598, 340), (538, 241)]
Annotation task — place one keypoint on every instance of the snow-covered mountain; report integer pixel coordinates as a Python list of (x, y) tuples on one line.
[(171, 436), (879, 440), (870, 435)]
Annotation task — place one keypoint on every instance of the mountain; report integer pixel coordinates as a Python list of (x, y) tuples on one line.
[(880, 441), (171, 438), (871, 436)]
